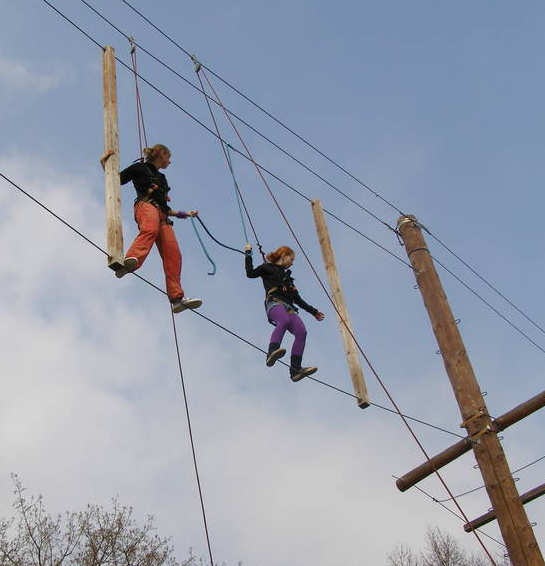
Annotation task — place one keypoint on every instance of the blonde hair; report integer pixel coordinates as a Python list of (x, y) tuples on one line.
[(151, 153), (282, 251)]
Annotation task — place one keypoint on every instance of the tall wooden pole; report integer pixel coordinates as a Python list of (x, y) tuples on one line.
[(354, 365), (513, 522), (114, 227)]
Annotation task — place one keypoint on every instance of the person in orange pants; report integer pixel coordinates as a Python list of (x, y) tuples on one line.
[(152, 212)]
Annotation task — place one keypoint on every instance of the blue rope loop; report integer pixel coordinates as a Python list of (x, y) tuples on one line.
[(213, 272)]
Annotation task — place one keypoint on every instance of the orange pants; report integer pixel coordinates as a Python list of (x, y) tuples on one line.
[(153, 227)]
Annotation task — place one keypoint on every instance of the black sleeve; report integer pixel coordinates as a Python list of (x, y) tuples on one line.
[(250, 271), (298, 300), (138, 173)]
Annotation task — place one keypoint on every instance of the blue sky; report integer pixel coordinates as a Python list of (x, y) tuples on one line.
[(437, 106)]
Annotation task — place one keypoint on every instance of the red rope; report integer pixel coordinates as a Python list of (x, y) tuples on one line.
[(380, 381)]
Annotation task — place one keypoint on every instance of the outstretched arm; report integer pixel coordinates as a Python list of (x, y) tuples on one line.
[(249, 263)]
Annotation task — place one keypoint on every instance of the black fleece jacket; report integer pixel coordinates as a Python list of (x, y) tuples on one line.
[(278, 283), (143, 176)]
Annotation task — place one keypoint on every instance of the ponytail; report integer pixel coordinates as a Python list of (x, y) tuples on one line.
[(151, 153)]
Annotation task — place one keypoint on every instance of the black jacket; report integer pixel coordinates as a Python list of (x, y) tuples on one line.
[(143, 176), (278, 283)]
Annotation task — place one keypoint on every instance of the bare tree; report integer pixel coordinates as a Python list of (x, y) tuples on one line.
[(403, 556), (441, 550), (93, 537)]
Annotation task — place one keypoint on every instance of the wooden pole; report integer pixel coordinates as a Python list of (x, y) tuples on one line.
[(513, 522), (490, 516), (114, 226), (461, 447), (354, 365)]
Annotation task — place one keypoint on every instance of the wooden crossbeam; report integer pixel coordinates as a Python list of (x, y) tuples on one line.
[(490, 516), (456, 450)]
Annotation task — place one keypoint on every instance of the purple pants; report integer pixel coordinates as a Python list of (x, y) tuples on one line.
[(293, 324)]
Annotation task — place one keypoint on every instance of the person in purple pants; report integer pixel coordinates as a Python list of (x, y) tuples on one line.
[(281, 296)]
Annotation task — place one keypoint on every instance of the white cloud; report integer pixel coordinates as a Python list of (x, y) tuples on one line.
[(91, 407), (17, 75)]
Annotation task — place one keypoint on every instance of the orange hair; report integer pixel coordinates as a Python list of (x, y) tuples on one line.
[(282, 251), (152, 152)]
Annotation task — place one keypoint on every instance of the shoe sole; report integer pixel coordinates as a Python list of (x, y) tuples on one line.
[(192, 304), (301, 375), (129, 265), (275, 356)]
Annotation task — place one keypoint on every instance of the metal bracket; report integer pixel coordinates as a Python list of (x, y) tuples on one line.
[(478, 414), (196, 63)]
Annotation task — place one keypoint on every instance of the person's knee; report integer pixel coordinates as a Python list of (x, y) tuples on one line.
[(150, 232)]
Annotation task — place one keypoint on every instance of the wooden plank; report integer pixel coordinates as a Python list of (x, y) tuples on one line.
[(114, 226), (490, 516), (352, 357), (516, 530)]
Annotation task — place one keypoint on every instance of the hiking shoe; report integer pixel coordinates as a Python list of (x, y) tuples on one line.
[(297, 374), (129, 264), (274, 355), (182, 304)]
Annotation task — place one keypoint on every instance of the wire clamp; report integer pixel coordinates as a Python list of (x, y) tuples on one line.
[(131, 41), (196, 63), (469, 420)]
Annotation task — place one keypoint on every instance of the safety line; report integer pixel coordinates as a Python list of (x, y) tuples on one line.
[(332, 161), (292, 188), (380, 381), (89, 241), (215, 323), (483, 486), (229, 165), (142, 137), (341, 318), (203, 247), (215, 239), (186, 403), (484, 280), (236, 150)]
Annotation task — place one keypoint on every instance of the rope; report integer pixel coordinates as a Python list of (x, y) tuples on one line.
[(404, 417), (210, 131), (483, 486), (237, 195), (240, 338), (225, 153), (331, 160), (248, 99), (139, 112), (429, 496), (215, 323), (348, 329), (215, 240), (213, 272), (201, 498)]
